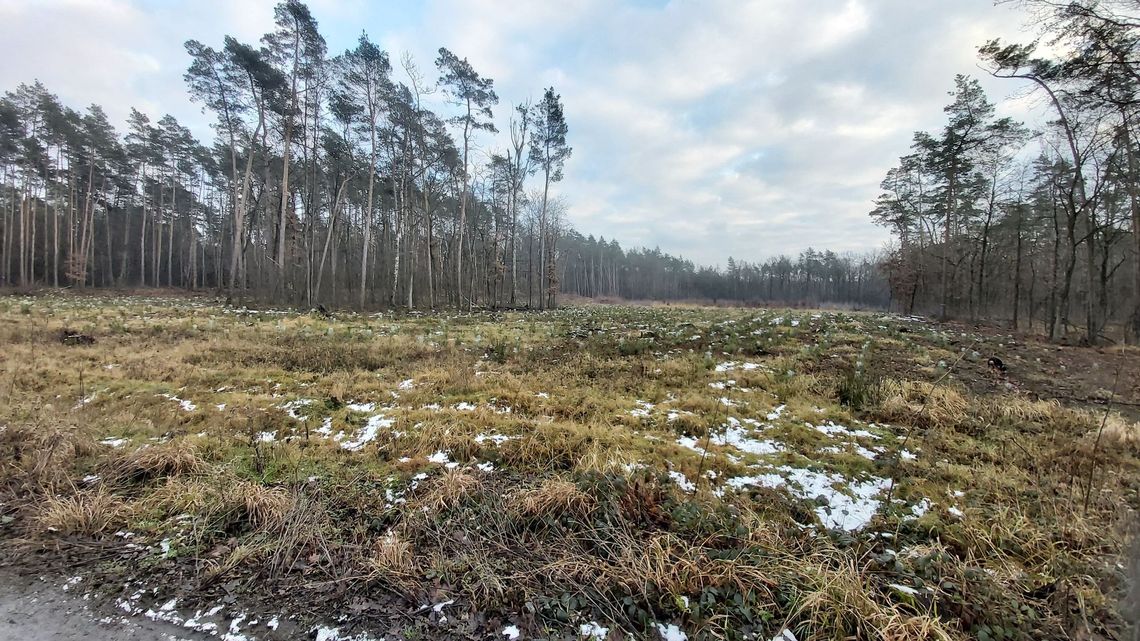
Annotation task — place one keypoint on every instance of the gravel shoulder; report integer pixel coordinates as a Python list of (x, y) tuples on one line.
[(37, 609)]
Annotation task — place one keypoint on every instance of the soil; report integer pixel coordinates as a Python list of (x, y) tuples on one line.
[(1076, 376), (35, 608)]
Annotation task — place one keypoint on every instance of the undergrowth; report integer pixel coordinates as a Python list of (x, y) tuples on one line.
[(568, 467)]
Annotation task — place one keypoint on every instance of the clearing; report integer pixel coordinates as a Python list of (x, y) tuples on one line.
[(594, 472)]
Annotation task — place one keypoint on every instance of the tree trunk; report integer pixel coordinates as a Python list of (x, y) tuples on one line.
[(1134, 210)]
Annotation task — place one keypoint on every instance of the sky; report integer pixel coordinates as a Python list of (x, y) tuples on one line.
[(709, 128)]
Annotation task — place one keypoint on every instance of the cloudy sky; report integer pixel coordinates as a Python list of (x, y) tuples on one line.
[(708, 128)]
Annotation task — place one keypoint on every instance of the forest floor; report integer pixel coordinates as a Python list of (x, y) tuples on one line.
[(595, 472)]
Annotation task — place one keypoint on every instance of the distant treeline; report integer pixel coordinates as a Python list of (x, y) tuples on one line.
[(599, 268)]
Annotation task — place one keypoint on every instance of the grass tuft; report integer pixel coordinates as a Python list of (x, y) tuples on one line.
[(84, 513), (1121, 433), (553, 498), (153, 462)]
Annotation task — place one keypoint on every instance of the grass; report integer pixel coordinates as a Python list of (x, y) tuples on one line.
[(1121, 433), (83, 513), (633, 467)]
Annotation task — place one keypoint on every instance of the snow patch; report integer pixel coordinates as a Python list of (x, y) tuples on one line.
[(683, 482), (369, 431), (186, 405), (850, 509), (442, 458), (776, 412), (642, 410), (592, 630)]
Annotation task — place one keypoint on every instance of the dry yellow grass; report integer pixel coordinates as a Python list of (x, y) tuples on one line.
[(41, 456), (1120, 433), (266, 508), (229, 561), (575, 503), (1021, 409), (450, 490), (391, 557), (680, 567), (553, 497), (85, 513), (839, 603), (150, 462), (906, 401)]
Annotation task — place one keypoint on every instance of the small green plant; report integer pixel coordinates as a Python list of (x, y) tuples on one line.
[(498, 351), (858, 390), (633, 347)]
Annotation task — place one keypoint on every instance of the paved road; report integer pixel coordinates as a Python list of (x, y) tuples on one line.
[(35, 610)]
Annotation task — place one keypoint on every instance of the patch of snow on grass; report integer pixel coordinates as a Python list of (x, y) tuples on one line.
[(737, 436), (729, 366), (835, 429), (850, 509), (186, 405), (369, 431), (671, 633), (642, 410), (497, 439), (292, 406), (683, 482), (114, 442), (442, 458), (776, 412), (511, 632)]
